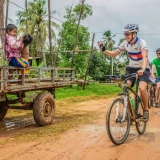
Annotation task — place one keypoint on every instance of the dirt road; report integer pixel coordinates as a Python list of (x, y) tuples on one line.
[(90, 142)]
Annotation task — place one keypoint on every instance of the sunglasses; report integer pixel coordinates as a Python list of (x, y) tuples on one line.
[(127, 34), (157, 53)]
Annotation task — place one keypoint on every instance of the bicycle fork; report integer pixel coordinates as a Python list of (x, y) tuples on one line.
[(124, 110)]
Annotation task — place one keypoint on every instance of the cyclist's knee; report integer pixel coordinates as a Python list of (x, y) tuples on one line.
[(142, 88), (158, 87)]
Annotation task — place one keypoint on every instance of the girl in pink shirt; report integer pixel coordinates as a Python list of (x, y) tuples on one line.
[(13, 48)]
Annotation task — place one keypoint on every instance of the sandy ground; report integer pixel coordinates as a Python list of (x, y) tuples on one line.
[(90, 142)]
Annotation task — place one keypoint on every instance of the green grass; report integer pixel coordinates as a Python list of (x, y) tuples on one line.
[(96, 89), (93, 89), (68, 115)]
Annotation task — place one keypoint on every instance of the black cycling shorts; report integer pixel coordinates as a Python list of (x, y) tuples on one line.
[(144, 77)]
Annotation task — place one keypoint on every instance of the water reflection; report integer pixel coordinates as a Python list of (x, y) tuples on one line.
[(10, 124)]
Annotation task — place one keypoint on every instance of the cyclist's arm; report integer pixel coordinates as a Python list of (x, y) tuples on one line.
[(108, 53), (145, 59), (153, 71), (112, 53)]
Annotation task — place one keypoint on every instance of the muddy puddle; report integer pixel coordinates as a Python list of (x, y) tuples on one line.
[(10, 124)]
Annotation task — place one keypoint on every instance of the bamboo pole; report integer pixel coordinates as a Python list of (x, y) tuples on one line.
[(112, 61), (75, 42), (7, 7), (26, 4), (43, 52), (71, 51), (56, 59), (2, 34), (50, 36), (89, 58)]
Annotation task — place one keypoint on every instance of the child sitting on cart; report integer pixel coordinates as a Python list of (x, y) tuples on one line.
[(13, 48), (27, 39)]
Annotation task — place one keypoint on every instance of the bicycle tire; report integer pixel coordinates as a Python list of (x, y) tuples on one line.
[(140, 125), (119, 124)]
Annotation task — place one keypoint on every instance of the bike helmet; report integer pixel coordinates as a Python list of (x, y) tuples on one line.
[(131, 28), (157, 50)]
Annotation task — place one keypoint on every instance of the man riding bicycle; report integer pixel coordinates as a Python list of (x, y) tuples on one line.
[(138, 53), (156, 66)]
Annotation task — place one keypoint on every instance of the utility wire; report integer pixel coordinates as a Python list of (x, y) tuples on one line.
[(96, 14), (152, 34), (25, 9), (90, 32), (17, 5)]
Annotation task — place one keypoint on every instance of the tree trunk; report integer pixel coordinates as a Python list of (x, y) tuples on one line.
[(2, 35), (50, 36)]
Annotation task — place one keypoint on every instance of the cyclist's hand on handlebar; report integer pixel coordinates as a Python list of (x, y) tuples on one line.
[(140, 72), (153, 76), (101, 46)]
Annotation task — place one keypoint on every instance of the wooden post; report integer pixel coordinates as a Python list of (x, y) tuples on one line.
[(112, 61), (39, 76), (56, 59), (89, 58), (26, 15), (75, 42), (2, 34), (7, 7), (23, 76), (42, 50), (50, 36)]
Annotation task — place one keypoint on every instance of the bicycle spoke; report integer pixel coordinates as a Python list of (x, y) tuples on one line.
[(140, 125), (118, 129)]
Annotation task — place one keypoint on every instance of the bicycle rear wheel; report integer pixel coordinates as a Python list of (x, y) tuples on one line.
[(140, 124), (117, 129)]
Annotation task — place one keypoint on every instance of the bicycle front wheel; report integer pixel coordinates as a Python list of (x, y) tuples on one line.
[(140, 124), (117, 125)]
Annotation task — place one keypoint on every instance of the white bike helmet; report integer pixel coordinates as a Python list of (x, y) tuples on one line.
[(131, 28)]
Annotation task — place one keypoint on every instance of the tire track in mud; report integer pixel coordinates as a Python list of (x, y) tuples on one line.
[(118, 152), (91, 141)]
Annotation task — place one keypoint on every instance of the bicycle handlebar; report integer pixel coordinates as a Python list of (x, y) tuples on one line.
[(123, 77)]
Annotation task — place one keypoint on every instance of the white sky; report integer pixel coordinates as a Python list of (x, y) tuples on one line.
[(112, 15)]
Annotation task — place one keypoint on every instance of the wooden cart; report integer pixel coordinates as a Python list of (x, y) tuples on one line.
[(42, 79)]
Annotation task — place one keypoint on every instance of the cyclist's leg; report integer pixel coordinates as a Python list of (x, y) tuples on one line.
[(143, 82), (157, 92), (144, 94), (154, 89), (130, 81)]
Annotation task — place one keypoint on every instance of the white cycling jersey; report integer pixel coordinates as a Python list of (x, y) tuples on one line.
[(134, 52)]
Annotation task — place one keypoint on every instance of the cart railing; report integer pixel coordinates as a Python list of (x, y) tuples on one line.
[(36, 76)]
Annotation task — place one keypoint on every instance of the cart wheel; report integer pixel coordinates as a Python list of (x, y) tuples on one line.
[(3, 110), (44, 109)]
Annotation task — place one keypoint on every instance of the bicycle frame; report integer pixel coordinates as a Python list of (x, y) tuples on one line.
[(120, 115), (127, 103)]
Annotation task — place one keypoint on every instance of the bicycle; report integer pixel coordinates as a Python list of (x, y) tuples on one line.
[(151, 92), (120, 113)]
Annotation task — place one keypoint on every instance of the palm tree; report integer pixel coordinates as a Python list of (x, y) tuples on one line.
[(109, 44), (37, 24), (124, 54)]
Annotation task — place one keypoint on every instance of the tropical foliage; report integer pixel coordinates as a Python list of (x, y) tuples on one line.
[(68, 38), (37, 25), (100, 65)]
